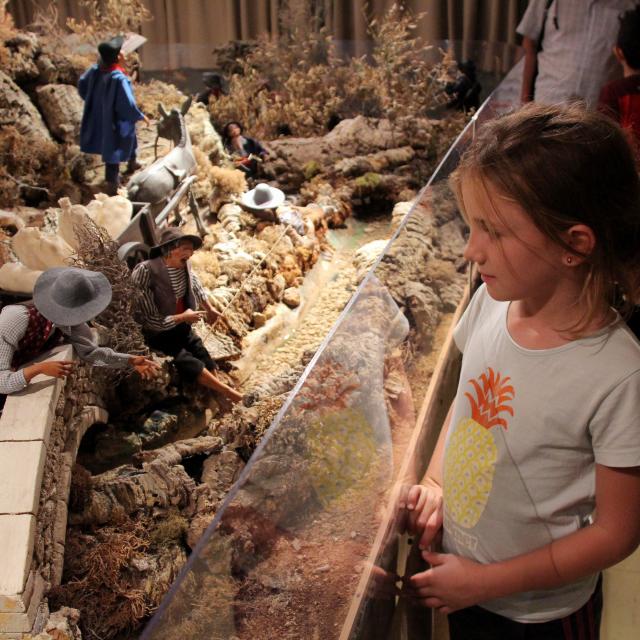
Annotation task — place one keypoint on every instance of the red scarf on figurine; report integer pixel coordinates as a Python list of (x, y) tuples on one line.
[(114, 67)]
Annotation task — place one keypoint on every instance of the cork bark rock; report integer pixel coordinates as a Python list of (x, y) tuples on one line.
[(62, 108), (17, 109)]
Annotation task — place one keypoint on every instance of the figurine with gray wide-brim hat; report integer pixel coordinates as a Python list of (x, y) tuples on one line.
[(262, 201), (172, 300), (68, 296), (262, 197), (64, 300)]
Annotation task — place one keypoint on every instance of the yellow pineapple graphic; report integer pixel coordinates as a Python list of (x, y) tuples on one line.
[(471, 452)]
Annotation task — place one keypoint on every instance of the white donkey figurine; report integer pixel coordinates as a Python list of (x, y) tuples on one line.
[(157, 182)]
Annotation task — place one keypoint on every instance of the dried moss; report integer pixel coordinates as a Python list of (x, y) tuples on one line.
[(311, 169), (169, 531), (98, 252), (228, 182), (106, 17), (150, 94), (97, 579), (7, 28), (30, 171), (368, 182)]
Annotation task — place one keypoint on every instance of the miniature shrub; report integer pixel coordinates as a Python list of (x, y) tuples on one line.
[(368, 182), (311, 169)]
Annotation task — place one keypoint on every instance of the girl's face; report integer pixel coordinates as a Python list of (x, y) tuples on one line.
[(515, 259)]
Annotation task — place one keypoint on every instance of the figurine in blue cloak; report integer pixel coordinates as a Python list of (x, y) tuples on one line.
[(110, 112)]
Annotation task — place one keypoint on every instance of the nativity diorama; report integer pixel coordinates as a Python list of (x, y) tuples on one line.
[(224, 310)]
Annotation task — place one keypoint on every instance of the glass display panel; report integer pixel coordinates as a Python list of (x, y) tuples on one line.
[(307, 542)]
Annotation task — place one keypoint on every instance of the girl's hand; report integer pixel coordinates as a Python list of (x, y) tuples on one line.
[(144, 366), (382, 584), (424, 504), (452, 583)]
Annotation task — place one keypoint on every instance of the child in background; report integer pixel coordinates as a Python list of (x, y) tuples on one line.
[(620, 99), (535, 480)]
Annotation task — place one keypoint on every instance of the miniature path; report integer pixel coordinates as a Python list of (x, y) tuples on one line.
[(321, 313)]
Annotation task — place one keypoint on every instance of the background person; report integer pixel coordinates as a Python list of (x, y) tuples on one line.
[(535, 481), (567, 46), (620, 99), (214, 83), (110, 113)]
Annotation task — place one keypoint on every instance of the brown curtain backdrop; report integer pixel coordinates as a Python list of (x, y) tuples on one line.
[(183, 32)]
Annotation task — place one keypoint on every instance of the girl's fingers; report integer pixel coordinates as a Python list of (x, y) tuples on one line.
[(433, 603), (413, 496)]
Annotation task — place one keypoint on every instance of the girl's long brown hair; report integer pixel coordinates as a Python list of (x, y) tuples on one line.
[(565, 165)]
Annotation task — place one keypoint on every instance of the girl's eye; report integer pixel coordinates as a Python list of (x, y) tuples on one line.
[(484, 227), (492, 231)]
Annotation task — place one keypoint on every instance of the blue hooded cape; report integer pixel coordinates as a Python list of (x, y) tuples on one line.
[(110, 115)]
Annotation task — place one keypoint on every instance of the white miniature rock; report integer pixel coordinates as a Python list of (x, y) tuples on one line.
[(229, 217), (400, 210), (70, 217), (366, 255), (40, 251), (112, 213), (291, 297), (14, 276)]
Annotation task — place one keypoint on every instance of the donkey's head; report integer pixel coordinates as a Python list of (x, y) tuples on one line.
[(170, 123)]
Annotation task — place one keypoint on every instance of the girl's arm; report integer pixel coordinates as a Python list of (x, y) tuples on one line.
[(454, 582), (424, 501)]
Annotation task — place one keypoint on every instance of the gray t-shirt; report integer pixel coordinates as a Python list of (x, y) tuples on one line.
[(527, 429)]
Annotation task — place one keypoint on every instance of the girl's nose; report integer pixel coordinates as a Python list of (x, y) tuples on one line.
[(472, 250)]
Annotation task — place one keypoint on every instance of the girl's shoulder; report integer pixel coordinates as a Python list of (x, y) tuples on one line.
[(624, 339), (612, 354), (482, 311)]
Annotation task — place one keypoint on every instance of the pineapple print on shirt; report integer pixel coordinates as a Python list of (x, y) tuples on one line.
[(471, 452)]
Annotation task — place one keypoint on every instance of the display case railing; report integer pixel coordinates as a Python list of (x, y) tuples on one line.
[(307, 543)]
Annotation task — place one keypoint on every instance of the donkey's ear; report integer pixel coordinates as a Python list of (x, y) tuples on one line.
[(162, 110), (185, 105)]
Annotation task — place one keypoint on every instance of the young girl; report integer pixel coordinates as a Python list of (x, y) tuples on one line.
[(535, 481)]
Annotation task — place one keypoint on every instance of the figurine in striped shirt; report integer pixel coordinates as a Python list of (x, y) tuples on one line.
[(172, 300)]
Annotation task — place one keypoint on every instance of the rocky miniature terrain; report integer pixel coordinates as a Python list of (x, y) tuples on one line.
[(148, 483)]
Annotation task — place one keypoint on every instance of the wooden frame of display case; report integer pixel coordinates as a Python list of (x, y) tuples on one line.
[(400, 621)]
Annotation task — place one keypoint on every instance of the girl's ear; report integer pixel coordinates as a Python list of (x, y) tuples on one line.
[(582, 241)]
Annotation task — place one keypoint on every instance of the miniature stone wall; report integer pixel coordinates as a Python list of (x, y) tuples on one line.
[(40, 431)]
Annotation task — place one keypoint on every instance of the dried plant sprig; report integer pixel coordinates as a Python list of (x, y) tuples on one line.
[(298, 78), (98, 252), (109, 17)]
